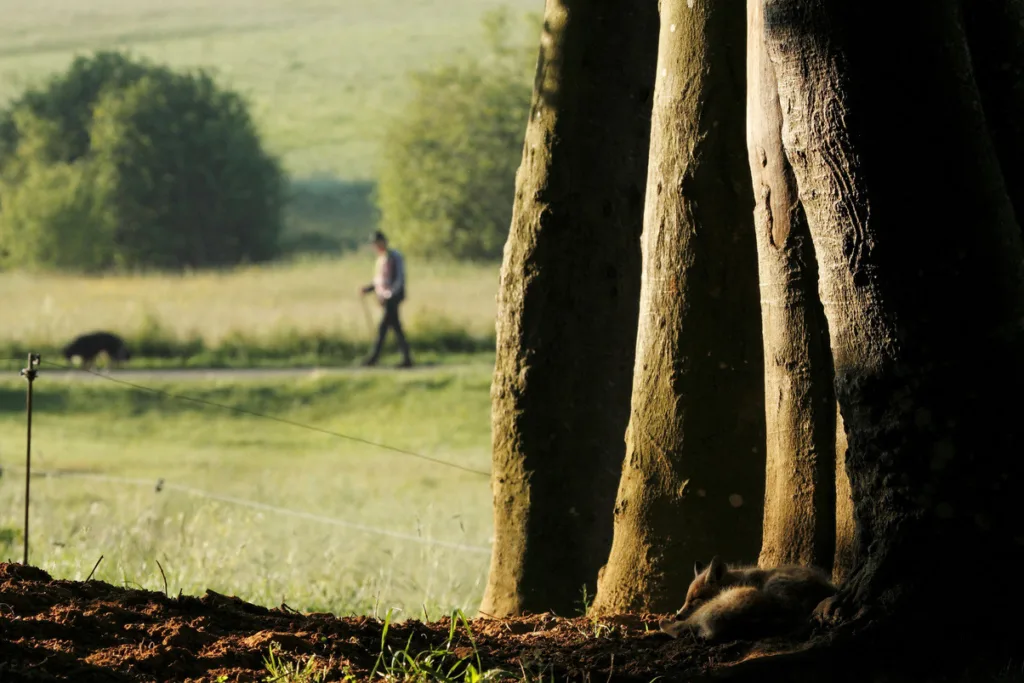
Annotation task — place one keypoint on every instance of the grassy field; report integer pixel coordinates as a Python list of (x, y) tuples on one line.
[(322, 76), (298, 313), (101, 428)]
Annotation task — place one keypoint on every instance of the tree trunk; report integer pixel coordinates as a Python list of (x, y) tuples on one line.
[(693, 481), (995, 35), (568, 305), (800, 485), (923, 290), (842, 563)]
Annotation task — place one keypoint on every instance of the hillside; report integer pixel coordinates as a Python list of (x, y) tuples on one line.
[(322, 76)]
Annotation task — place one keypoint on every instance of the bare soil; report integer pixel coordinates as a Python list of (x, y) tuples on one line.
[(92, 631)]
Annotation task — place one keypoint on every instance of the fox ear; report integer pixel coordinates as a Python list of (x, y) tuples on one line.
[(716, 569), (698, 567)]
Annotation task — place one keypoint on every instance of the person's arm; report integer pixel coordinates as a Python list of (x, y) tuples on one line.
[(373, 285)]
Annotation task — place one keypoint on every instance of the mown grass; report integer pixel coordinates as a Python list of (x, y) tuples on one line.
[(101, 428), (304, 312), (322, 76)]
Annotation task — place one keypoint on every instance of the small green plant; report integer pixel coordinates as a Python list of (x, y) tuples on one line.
[(440, 664), (585, 601), (284, 671), (599, 629)]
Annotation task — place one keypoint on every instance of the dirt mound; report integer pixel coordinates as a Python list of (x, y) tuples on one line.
[(92, 631)]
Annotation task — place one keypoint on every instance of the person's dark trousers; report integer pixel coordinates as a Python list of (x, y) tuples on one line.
[(388, 321)]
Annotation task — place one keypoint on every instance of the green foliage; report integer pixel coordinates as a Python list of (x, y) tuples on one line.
[(122, 163), (449, 161), (440, 664)]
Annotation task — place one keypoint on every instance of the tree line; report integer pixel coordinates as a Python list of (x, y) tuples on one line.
[(763, 298)]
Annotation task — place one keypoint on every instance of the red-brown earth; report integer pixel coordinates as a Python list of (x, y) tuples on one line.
[(92, 631)]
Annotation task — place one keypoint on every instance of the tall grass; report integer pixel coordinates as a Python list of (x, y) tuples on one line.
[(266, 557)]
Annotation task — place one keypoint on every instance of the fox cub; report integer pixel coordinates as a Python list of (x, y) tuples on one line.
[(732, 603)]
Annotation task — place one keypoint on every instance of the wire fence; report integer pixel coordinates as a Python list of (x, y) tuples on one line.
[(160, 485)]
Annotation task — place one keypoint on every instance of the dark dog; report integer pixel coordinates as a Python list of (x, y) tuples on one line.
[(88, 346)]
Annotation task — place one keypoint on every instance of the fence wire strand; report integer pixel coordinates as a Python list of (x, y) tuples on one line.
[(163, 485), (200, 401)]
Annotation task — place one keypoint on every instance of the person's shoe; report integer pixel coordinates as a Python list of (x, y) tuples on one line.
[(369, 362), (407, 363)]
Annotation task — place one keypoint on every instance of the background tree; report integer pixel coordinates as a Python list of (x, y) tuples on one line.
[(923, 289), (121, 163), (693, 481), (800, 408), (567, 305), (449, 160)]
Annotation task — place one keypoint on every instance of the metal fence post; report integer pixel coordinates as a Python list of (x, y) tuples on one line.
[(29, 374)]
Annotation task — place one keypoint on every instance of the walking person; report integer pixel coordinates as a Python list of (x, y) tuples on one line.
[(389, 286)]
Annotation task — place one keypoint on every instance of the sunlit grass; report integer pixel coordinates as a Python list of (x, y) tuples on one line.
[(278, 312), (260, 555)]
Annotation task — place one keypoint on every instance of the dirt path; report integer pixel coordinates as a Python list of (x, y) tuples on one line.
[(192, 374)]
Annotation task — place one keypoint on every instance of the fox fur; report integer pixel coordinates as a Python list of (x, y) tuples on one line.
[(732, 603)]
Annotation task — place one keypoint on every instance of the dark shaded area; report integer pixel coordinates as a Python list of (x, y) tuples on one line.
[(927, 298)]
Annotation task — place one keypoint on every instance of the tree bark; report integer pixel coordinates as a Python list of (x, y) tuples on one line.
[(842, 563), (800, 484), (693, 481), (923, 290), (568, 305)]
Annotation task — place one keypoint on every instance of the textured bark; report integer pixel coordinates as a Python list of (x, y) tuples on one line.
[(995, 35), (693, 481), (845, 528), (924, 294), (568, 305), (800, 486)]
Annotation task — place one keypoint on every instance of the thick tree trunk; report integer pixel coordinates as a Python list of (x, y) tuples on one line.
[(920, 262), (568, 305), (800, 486), (693, 481), (995, 35)]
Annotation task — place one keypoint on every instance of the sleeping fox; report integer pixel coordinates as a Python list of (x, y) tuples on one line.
[(727, 603)]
